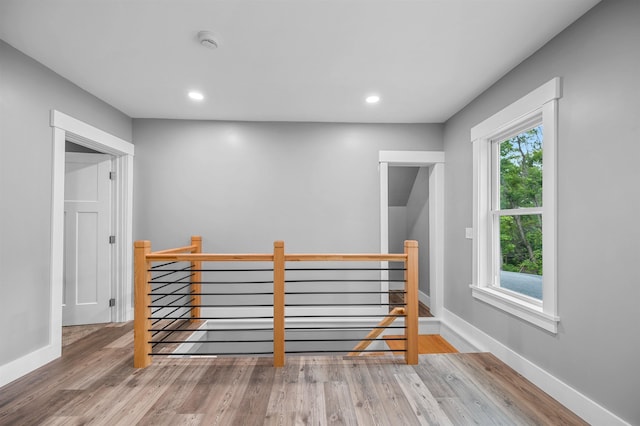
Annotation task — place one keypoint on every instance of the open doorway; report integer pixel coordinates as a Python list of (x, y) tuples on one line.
[(66, 128), (409, 220), (422, 172)]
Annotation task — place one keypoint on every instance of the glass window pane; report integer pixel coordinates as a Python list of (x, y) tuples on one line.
[(521, 170), (521, 254)]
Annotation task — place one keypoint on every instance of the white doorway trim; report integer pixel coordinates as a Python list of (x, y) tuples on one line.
[(66, 128), (434, 160)]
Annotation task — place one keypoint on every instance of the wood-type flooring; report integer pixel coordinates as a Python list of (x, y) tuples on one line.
[(94, 383), (427, 344)]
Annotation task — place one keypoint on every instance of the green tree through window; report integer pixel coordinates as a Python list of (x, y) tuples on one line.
[(520, 180)]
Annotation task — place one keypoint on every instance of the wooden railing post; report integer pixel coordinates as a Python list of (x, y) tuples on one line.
[(142, 311), (278, 304), (411, 301), (196, 279)]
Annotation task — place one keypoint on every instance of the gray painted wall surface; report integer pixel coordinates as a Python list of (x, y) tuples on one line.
[(28, 91), (244, 185), (397, 236), (400, 183), (597, 345), (418, 224), (397, 228)]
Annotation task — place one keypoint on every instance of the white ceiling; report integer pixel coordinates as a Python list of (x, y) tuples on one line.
[(286, 60)]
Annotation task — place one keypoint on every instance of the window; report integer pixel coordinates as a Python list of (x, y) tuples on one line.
[(514, 208), (516, 213)]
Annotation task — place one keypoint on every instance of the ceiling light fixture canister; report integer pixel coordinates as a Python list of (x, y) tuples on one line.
[(207, 39)]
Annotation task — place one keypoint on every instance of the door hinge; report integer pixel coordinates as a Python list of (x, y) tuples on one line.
[(112, 302), (112, 175), (112, 239)]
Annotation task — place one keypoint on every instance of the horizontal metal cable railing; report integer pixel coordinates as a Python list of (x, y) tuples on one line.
[(241, 304)]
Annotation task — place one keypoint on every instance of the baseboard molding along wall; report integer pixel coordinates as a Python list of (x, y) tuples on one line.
[(455, 329), (26, 364)]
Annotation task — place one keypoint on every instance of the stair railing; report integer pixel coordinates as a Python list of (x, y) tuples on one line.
[(181, 300)]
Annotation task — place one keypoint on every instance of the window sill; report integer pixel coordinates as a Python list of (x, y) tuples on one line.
[(519, 308)]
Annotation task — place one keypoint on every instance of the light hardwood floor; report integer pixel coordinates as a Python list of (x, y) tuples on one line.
[(427, 344), (95, 383)]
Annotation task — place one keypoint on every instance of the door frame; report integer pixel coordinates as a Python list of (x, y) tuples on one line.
[(434, 160), (68, 128)]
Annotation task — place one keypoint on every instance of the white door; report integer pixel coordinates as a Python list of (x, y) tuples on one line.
[(87, 254)]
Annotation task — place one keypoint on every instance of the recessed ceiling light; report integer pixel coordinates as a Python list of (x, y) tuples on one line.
[(373, 99), (196, 96)]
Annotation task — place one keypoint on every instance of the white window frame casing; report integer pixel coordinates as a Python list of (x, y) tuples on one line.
[(538, 107)]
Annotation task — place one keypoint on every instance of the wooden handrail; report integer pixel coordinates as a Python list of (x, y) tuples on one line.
[(193, 254), (382, 325), (169, 255), (186, 249), (210, 257), (346, 257)]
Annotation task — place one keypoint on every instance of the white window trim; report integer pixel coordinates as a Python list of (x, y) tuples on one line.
[(542, 102)]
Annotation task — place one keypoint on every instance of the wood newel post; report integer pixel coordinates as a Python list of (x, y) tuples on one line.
[(411, 300), (278, 304), (142, 300), (196, 279)]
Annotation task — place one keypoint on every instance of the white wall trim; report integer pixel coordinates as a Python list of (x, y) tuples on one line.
[(411, 158), (384, 231), (26, 364), (517, 307), (435, 161), (69, 128), (589, 410), (504, 118), (537, 107), (91, 137), (66, 127), (436, 238)]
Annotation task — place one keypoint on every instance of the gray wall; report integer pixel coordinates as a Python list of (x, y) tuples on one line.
[(244, 185), (397, 228), (597, 345), (418, 224), (28, 91)]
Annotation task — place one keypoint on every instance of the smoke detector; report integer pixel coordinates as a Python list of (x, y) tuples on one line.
[(207, 39)]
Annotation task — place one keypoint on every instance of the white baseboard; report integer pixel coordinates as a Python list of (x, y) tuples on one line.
[(461, 343), (26, 364), (571, 398)]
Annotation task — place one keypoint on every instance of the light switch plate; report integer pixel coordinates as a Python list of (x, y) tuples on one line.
[(468, 233)]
